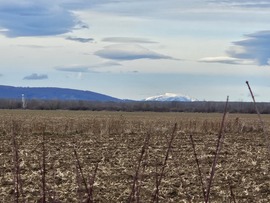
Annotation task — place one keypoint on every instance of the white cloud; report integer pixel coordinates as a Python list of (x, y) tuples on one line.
[(127, 40), (36, 76), (77, 68), (226, 60), (129, 52)]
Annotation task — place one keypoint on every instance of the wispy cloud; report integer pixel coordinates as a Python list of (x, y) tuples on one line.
[(127, 40), (36, 18), (129, 52), (243, 4), (255, 47), (226, 60), (54, 17), (77, 68), (150, 8), (80, 39), (36, 76), (31, 46), (106, 64), (73, 68)]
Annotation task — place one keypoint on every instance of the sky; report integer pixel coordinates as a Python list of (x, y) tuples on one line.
[(206, 49)]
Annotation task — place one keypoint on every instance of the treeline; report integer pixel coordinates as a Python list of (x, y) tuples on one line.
[(131, 106)]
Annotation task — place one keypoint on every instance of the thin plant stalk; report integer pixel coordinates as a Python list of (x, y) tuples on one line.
[(53, 192), (18, 186), (156, 193), (91, 185), (232, 194), (156, 179), (16, 165), (89, 191), (138, 186), (136, 176), (43, 172), (79, 183), (198, 166), (80, 170), (259, 116), (218, 148)]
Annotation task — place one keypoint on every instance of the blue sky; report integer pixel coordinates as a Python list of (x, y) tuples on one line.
[(206, 49)]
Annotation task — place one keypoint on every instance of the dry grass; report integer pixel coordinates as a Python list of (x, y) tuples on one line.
[(37, 154)]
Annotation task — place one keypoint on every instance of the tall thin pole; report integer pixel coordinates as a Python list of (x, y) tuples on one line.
[(23, 102), (260, 118)]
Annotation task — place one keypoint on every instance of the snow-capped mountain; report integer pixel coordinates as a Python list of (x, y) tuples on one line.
[(171, 97)]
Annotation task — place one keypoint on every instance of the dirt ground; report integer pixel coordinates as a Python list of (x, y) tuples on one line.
[(58, 154)]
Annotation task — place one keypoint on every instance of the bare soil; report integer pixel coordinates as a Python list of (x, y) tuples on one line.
[(113, 141)]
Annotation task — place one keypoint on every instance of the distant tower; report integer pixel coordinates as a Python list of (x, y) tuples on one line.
[(23, 102)]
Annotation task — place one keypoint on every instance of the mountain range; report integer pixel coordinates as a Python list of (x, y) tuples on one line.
[(52, 93), (171, 97)]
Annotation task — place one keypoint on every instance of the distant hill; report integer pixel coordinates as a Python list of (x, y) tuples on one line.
[(51, 93)]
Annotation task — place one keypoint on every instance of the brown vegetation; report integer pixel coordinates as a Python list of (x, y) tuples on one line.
[(65, 156), (134, 106)]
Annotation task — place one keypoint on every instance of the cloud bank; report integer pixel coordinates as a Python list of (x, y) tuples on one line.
[(54, 17), (35, 76), (255, 47), (36, 18), (129, 52), (253, 50)]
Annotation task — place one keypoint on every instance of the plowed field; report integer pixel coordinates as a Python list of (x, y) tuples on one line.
[(66, 156)]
